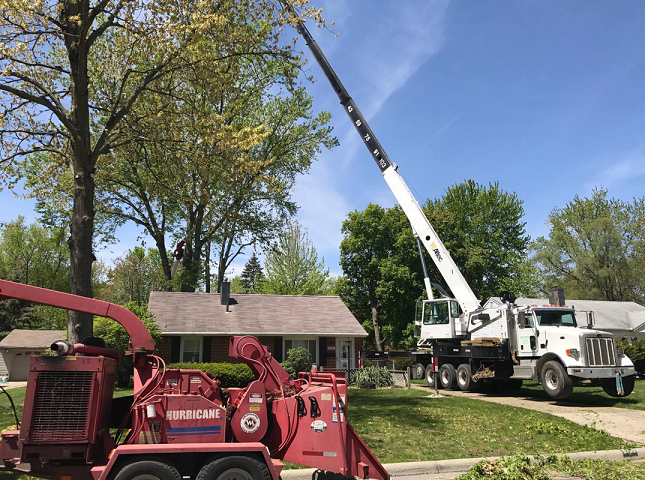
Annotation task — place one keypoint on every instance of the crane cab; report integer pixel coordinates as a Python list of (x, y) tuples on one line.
[(439, 318)]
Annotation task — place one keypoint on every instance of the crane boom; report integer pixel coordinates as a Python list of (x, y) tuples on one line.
[(420, 224)]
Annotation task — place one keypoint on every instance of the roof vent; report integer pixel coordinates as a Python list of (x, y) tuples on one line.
[(225, 293), (556, 297)]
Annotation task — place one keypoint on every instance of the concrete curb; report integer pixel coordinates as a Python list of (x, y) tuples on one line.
[(463, 464)]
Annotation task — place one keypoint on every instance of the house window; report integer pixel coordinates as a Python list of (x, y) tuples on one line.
[(191, 349), (309, 344)]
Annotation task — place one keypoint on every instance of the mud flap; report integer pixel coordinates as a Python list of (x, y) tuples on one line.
[(361, 461)]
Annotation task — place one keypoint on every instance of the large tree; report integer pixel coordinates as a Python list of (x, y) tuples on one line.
[(595, 248), (134, 275), (292, 266), (482, 229), (72, 70)]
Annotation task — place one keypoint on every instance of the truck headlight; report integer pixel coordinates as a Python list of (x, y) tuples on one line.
[(573, 353)]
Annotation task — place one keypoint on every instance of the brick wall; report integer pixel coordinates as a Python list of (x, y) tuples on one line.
[(164, 348), (219, 349)]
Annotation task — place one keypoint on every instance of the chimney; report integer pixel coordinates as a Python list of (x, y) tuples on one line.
[(225, 293), (556, 296)]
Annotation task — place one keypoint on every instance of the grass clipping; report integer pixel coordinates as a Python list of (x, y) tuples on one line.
[(516, 467), (522, 467)]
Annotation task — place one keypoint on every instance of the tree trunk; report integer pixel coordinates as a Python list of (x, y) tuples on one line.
[(165, 262), (80, 325), (207, 267), (378, 343)]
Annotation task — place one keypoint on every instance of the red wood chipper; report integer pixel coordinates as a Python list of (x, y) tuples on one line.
[(179, 423)]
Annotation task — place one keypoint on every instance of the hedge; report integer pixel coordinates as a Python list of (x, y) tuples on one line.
[(229, 374)]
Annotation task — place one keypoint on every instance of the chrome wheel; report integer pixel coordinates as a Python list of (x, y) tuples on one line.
[(551, 379), (462, 377)]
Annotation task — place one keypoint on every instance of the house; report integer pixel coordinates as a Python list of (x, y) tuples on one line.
[(17, 348), (623, 319), (197, 326)]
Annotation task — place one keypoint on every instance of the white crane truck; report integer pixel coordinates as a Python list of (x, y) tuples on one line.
[(467, 343)]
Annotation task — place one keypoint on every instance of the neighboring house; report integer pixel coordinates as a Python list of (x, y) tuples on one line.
[(18, 347), (197, 326), (623, 319)]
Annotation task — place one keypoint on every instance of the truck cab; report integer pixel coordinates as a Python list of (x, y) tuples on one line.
[(439, 318)]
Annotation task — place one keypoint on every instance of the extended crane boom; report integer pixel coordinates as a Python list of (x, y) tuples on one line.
[(420, 224)]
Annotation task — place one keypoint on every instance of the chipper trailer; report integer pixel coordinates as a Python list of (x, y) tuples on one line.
[(467, 343), (178, 423)]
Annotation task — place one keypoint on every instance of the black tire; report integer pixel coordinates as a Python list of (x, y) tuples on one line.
[(430, 376), (555, 381), (628, 386), (514, 384), (235, 466), (465, 378), (419, 371), (150, 468), (448, 377)]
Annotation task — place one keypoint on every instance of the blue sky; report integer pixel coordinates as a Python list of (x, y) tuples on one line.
[(547, 98)]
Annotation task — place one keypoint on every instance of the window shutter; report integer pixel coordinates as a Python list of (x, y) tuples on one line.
[(322, 351), (277, 349), (206, 350), (175, 347)]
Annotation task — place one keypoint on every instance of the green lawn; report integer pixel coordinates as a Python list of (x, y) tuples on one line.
[(404, 426)]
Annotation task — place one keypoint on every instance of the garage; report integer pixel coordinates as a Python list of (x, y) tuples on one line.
[(17, 348)]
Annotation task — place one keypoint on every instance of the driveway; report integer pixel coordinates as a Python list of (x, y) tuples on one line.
[(619, 422)]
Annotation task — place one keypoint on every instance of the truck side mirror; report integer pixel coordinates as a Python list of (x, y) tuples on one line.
[(590, 320)]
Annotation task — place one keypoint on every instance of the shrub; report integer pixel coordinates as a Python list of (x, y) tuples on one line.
[(367, 363), (403, 364), (116, 337), (298, 360), (230, 375), (379, 375), (636, 353)]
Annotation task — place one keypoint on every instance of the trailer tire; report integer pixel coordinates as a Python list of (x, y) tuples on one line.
[(419, 371), (610, 386), (430, 376), (555, 381), (151, 469), (234, 467), (448, 377), (465, 378)]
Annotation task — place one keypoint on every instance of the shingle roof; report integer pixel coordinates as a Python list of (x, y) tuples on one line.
[(627, 316), (31, 338), (202, 313)]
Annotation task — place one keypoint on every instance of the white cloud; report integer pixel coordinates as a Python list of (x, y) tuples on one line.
[(615, 173)]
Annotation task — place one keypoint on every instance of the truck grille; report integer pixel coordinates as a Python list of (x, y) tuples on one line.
[(61, 406), (601, 352)]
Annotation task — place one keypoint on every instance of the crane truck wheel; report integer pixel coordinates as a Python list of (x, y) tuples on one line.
[(234, 467), (555, 381), (419, 371), (610, 386), (430, 376), (465, 378), (448, 377), (148, 470)]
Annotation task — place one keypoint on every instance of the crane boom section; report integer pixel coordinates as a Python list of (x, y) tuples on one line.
[(420, 224)]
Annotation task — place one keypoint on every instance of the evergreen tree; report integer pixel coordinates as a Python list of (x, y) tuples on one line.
[(252, 275)]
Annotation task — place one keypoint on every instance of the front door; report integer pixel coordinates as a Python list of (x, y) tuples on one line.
[(344, 353)]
